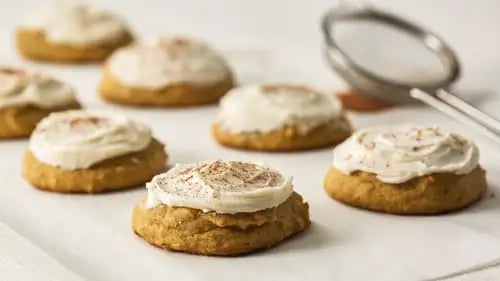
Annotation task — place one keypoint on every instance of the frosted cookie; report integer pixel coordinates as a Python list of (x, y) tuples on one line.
[(406, 170), (80, 151), (279, 118), (25, 98), (71, 33), (173, 71), (220, 208)]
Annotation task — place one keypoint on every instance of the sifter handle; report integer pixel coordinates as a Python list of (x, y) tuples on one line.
[(467, 116), (465, 107)]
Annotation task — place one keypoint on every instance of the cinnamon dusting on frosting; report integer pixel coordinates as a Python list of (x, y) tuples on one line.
[(168, 61), (23, 88), (399, 153), (265, 108), (11, 71), (286, 88), (233, 176), (220, 186), (85, 120), (75, 24), (77, 139)]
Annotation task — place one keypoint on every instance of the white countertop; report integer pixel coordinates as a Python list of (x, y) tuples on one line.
[(265, 41)]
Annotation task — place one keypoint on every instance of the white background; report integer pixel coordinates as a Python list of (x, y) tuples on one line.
[(265, 41)]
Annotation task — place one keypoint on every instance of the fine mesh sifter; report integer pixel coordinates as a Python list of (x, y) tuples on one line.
[(391, 59)]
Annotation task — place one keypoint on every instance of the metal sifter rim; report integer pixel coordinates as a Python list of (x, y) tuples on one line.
[(365, 80)]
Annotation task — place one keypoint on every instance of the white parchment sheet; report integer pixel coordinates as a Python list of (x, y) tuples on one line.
[(91, 234), (20, 260)]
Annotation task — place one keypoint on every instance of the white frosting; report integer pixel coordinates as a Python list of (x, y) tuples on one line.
[(75, 24), (168, 61), (78, 139), (266, 108), (400, 153), (18, 88), (225, 187)]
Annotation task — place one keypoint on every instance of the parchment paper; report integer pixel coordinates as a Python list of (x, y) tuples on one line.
[(91, 234)]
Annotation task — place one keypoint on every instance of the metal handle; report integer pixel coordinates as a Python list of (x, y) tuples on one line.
[(463, 106), (465, 113)]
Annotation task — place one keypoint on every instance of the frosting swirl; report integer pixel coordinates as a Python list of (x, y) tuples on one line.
[(168, 61), (18, 88), (225, 187), (266, 108), (77, 139), (75, 24), (399, 153)]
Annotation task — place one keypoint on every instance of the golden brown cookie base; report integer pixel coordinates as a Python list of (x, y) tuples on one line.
[(426, 195), (287, 139), (182, 94), (32, 44), (361, 103), (20, 121), (121, 172), (193, 231)]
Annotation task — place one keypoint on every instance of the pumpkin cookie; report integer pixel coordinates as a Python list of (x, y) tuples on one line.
[(26, 98), (78, 151), (71, 33), (220, 208), (279, 118), (406, 170), (173, 71)]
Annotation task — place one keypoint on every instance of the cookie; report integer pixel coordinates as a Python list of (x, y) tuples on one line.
[(407, 170), (352, 100), (430, 194), (220, 208), (173, 71), (289, 138), (279, 118), (26, 98), (67, 33), (181, 94), (92, 152)]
